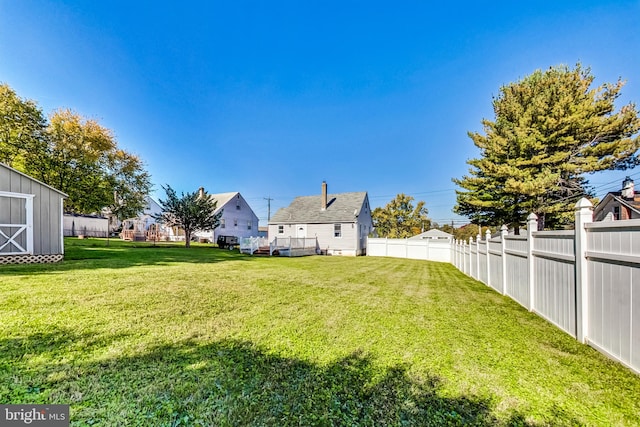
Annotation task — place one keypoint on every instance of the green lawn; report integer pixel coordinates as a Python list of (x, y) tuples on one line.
[(130, 334)]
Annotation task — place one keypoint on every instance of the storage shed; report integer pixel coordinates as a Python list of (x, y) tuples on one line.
[(31, 225)]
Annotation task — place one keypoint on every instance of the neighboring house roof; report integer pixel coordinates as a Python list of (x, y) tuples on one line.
[(342, 207), (33, 179), (616, 196), (223, 198), (433, 234)]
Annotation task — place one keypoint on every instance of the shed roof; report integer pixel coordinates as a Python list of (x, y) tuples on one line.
[(341, 207), (33, 179)]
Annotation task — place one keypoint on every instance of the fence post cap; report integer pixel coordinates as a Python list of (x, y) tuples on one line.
[(583, 203), (532, 217)]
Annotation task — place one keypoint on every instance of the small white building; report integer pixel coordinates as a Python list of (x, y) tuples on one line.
[(434, 234)]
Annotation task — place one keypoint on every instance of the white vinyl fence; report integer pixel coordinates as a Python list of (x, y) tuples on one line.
[(586, 282), (427, 249)]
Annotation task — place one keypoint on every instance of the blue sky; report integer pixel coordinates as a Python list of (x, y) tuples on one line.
[(272, 98)]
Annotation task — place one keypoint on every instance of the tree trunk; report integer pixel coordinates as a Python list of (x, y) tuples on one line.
[(187, 238), (540, 221)]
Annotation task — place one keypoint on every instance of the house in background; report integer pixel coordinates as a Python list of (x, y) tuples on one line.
[(238, 219), (623, 204), (434, 234), (340, 222), (31, 224)]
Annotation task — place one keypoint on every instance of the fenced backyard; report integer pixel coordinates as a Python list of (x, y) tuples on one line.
[(136, 334), (587, 283)]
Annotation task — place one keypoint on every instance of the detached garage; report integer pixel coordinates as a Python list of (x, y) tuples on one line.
[(31, 226)]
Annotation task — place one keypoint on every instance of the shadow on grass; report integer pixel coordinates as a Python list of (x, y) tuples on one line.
[(232, 383)]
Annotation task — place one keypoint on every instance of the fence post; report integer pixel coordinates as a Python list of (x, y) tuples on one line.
[(584, 215), (463, 248), (471, 260), (478, 238), (487, 237), (467, 257), (532, 224), (503, 234)]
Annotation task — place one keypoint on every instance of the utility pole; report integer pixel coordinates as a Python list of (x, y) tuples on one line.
[(268, 199)]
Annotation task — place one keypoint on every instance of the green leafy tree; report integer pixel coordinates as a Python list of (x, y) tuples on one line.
[(550, 129), (75, 155), (79, 161), (192, 212), (130, 183), (400, 219), (23, 137)]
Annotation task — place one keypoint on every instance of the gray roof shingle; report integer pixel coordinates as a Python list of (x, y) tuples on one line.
[(342, 207)]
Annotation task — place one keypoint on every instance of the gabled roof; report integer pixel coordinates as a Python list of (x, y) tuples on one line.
[(33, 179), (341, 207), (223, 198), (634, 204), (433, 234)]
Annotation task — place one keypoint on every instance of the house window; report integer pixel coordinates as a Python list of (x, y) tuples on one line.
[(281, 229), (616, 213), (222, 224), (235, 222), (248, 225), (337, 230)]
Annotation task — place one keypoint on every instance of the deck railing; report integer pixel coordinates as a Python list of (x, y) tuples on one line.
[(249, 245), (294, 246)]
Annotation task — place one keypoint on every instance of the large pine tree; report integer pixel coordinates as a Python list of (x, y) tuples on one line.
[(550, 129)]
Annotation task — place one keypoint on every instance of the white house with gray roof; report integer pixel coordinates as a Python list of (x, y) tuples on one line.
[(340, 222)]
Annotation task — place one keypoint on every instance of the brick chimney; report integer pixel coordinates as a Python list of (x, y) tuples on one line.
[(324, 195), (200, 192), (628, 190)]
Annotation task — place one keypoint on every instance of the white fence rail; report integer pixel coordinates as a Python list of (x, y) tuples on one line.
[(586, 282)]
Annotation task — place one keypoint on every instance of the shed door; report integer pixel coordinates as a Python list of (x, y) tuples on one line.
[(301, 230), (16, 223)]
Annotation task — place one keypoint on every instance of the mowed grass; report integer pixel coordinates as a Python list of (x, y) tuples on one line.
[(132, 334)]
